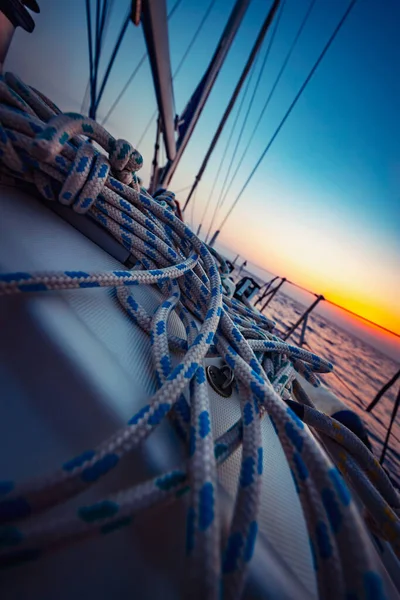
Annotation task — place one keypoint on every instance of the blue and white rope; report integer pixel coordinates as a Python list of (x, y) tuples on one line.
[(44, 148)]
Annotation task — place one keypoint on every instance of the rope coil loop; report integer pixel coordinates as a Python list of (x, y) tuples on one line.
[(43, 149), (86, 179)]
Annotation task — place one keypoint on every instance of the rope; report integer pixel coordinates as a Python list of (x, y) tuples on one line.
[(289, 110), (222, 196), (46, 150)]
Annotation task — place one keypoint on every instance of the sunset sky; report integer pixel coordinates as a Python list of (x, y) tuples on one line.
[(324, 207)]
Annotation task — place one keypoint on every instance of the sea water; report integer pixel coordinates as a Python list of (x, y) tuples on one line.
[(360, 372)]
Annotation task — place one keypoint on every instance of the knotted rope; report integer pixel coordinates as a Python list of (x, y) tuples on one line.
[(49, 152)]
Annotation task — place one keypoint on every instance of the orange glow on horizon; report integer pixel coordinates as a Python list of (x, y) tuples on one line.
[(376, 314), (368, 305), (363, 306), (319, 251)]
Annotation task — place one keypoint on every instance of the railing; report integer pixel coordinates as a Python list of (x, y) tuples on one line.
[(269, 290), (375, 401)]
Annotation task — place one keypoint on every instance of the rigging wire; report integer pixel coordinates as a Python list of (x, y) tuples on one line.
[(255, 90), (173, 9), (304, 289), (85, 97), (228, 142), (122, 92), (350, 312), (108, 16), (89, 36), (184, 189), (146, 129), (162, 151), (132, 77), (106, 23), (97, 30), (223, 156), (254, 53), (94, 58), (279, 16), (112, 59), (194, 38), (192, 211), (100, 21), (289, 110), (270, 95), (93, 90), (102, 15), (364, 318)]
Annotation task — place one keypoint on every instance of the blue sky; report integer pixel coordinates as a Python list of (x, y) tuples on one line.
[(323, 209)]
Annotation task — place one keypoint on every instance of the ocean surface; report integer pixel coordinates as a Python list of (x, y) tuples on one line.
[(360, 372)]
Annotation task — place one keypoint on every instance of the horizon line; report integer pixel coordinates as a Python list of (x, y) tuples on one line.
[(327, 300)]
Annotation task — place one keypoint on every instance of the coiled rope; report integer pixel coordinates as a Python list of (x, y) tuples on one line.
[(48, 151)]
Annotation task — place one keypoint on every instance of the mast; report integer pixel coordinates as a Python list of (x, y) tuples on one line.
[(194, 107), (155, 28), (228, 110)]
